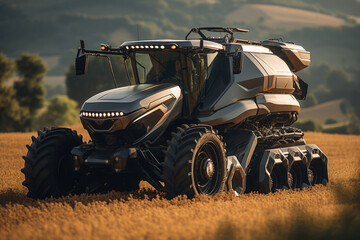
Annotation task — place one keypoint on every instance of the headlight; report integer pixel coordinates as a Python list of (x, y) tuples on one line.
[(101, 114)]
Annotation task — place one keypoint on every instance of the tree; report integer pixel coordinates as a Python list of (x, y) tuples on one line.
[(98, 78), (354, 125), (318, 74), (61, 111), (310, 101), (337, 78), (30, 90), (339, 83), (7, 68), (12, 115), (18, 105)]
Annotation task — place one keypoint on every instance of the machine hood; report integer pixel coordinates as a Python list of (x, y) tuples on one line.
[(131, 98), (134, 113)]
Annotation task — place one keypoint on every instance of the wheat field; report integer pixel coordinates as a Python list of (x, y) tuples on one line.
[(318, 212)]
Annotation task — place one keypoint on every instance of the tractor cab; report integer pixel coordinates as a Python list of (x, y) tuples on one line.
[(193, 65), (189, 64)]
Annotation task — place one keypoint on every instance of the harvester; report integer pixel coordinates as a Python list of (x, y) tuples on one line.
[(204, 115)]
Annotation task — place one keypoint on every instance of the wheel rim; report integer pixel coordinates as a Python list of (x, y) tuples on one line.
[(295, 177), (291, 179), (312, 176), (207, 172)]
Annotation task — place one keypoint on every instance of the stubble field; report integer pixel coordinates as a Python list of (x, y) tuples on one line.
[(319, 212)]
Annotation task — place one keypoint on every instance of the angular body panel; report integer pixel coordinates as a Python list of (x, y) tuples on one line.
[(297, 57), (241, 110), (140, 110)]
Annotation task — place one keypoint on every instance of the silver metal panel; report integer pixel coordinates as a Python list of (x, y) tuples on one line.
[(253, 75), (246, 84), (278, 102), (296, 54), (234, 113), (255, 48)]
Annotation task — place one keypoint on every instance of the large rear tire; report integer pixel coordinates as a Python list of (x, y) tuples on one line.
[(49, 170), (195, 162)]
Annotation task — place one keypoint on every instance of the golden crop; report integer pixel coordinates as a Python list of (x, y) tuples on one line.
[(317, 212)]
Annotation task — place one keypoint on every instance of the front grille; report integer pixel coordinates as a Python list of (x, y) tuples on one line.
[(119, 138), (102, 124)]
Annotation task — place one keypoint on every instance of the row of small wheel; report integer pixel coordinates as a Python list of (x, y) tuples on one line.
[(299, 175)]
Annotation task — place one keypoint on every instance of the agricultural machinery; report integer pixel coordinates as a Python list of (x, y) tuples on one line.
[(204, 115)]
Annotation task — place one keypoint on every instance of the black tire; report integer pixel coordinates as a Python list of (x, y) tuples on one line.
[(49, 170), (195, 162)]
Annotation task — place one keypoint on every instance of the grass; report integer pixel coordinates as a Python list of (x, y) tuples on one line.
[(318, 212)]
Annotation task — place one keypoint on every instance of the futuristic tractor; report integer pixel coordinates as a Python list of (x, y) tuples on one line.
[(203, 115)]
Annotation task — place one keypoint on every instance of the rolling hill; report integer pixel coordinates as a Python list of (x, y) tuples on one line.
[(279, 17), (323, 112)]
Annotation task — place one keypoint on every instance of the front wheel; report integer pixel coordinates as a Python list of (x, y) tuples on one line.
[(49, 170), (195, 162)]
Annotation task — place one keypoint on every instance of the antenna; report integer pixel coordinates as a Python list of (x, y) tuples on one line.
[(82, 44), (137, 31)]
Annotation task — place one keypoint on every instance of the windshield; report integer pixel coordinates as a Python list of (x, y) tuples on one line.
[(158, 67), (188, 71)]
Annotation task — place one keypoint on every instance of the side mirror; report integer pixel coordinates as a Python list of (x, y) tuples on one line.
[(81, 65), (238, 59)]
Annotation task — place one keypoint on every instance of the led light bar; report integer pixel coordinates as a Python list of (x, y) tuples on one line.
[(157, 47), (101, 114)]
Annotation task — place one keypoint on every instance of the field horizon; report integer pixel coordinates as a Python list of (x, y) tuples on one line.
[(315, 212)]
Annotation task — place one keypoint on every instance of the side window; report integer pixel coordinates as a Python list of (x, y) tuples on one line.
[(143, 65), (197, 74), (238, 59), (129, 71), (217, 81)]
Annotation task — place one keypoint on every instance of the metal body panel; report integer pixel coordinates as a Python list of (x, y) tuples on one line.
[(296, 55), (234, 113), (278, 103), (130, 98), (243, 109), (262, 72), (254, 76), (255, 49), (147, 110), (244, 85), (236, 179)]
